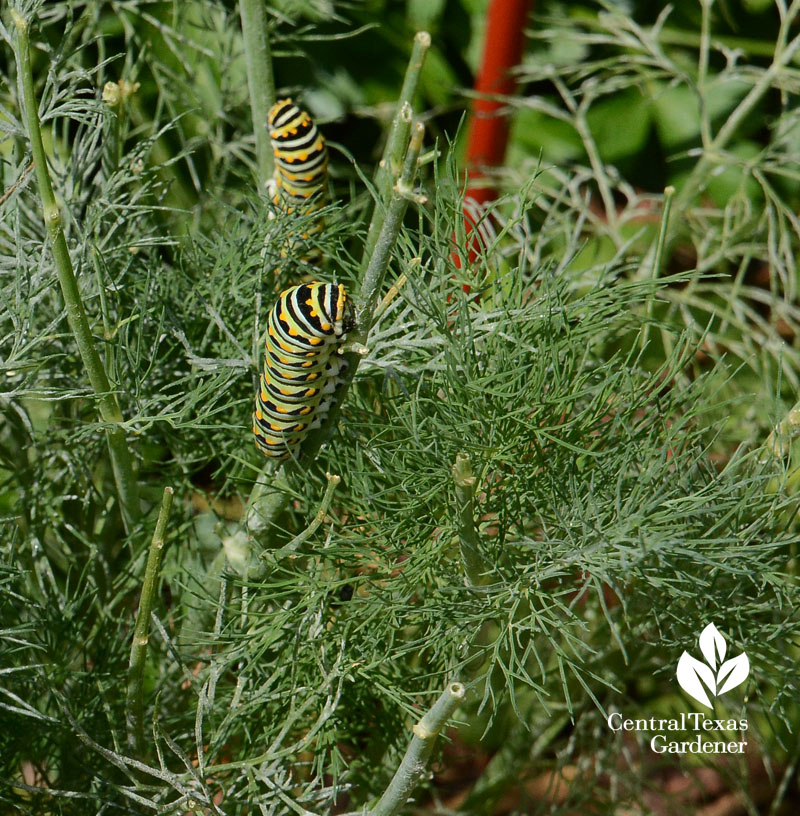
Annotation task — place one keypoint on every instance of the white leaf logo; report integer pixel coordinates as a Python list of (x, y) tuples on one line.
[(712, 644), (697, 679), (739, 668), (690, 673)]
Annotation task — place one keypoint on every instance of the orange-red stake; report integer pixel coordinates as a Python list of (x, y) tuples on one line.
[(487, 130)]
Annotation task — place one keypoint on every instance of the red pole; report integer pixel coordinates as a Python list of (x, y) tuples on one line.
[(487, 128)]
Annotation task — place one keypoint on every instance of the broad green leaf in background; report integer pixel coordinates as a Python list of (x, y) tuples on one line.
[(620, 124)]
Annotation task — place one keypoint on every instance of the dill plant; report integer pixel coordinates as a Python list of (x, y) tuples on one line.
[(286, 663)]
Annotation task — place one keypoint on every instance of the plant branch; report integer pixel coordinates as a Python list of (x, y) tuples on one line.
[(658, 259), (391, 163), (138, 658), (464, 482), (260, 81), (377, 261), (333, 483), (419, 752), (739, 115), (121, 459)]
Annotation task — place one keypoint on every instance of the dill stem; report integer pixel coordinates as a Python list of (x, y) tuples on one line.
[(138, 658), (301, 538), (377, 261), (260, 81), (599, 172), (121, 459), (658, 260), (391, 163), (464, 482), (418, 754)]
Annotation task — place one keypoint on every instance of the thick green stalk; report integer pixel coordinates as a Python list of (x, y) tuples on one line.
[(138, 658), (121, 460), (377, 260), (464, 482), (391, 163), (419, 751), (270, 495), (260, 81)]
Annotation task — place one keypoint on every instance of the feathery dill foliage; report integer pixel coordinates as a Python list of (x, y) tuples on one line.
[(608, 533), (712, 114)]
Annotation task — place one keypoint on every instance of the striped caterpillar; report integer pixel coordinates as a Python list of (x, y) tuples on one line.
[(302, 367)]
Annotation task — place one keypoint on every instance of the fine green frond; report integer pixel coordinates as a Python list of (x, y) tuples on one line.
[(613, 413)]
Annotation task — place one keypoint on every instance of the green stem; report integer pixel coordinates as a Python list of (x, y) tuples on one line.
[(271, 493), (464, 482), (377, 261), (740, 114), (419, 752), (668, 35), (260, 81), (391, 163), (658, 259), (702, 71), (581, 125), (333, 483), (138, 658), (121, 460)]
